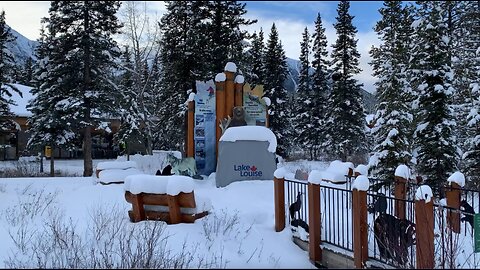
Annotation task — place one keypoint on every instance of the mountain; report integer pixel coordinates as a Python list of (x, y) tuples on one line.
[(22, 48), (291, 83)]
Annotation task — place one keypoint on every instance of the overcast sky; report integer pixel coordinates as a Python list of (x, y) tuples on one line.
[(290, 17)]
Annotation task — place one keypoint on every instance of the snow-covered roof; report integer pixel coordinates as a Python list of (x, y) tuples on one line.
[(251, 133), (20, 109), (171, 185)]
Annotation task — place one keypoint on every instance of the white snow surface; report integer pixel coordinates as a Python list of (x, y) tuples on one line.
[(457, 177), (361, 183), (403, 171), (239, 79), (171, 185), (337, 170), (230, 66), (191, 97), (424, 192), (361, 169), (116, 175), (116, 165), (280, 173), (251, 133), (315, 177), (267, 101), (220, 77)]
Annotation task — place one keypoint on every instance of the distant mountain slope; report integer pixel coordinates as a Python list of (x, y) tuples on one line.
[(22, 48)]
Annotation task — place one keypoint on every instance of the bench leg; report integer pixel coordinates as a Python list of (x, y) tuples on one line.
[(137, 208), (174, 209)]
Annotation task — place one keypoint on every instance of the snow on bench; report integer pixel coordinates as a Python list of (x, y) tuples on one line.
[(167, 198), (114, 172)]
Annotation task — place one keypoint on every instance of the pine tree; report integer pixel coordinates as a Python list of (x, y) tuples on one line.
[(6, 77), (226, 35), (275, 74), (393, 115), (84, 31), (320, 86), (346, 117), (431, 68), (303, 103), (26, 75), (256, 56)]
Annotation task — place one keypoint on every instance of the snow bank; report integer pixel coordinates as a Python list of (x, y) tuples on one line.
[(230, 66), (361, 169), (172, 184), (116, 175), (149, 164), (424, 192), (457, 177), (361, 183), (106, 165), (251, 133), (337, 170), (315, 177), (403, 171)]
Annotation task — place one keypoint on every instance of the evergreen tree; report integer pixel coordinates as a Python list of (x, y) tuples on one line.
[(320, 86), (303, 103), (275, 74), (256, 55), (26, 75), (226, 36), (393, 115), (50, 123), (84, 31), (346, 118), (6, 77), (431, 69)]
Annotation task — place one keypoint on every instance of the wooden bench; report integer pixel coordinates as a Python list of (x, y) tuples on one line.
[(173, 213)]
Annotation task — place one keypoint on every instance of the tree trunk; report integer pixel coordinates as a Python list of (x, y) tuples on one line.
[(87, 152), (87, 138)]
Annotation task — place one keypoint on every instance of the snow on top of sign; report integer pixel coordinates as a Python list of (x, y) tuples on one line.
[(230, 66), (251, 133), (116, 165), (403, 171), (457, 177), (220, 77), (361, 169), (361, 183), (424, 192), (280, 173), (268, 102), (315, 177), (171, 185), (239, 79)]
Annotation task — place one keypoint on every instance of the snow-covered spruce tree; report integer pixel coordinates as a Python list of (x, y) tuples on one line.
[(84, 33), (275, 74), (183, 55), (392, 132), (431, 71), (467, 70), (320, 86), (6, 77), (345, 127), (303, 104), (50, 123), (256, 56), (227, 39)]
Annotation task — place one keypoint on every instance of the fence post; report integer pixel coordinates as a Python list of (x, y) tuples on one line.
[(400, 196), (239, 80), (314, 222), (279, 198), (424, 227), (229, 93), (190, 129), (453, 200), (359, 216)]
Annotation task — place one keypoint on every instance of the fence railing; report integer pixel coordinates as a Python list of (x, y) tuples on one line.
[(353, 220)]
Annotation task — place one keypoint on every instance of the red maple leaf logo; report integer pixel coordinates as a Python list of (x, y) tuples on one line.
[(253, 168)]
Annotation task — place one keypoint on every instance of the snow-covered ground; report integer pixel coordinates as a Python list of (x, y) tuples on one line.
[(238, 233)]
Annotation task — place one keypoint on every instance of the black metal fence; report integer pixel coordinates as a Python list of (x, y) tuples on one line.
[(297, 206)]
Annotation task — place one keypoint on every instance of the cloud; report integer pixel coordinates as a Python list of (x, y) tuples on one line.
[(25, 16)]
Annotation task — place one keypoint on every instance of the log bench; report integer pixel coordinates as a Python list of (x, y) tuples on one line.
[(166, 198), (173, 213)]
